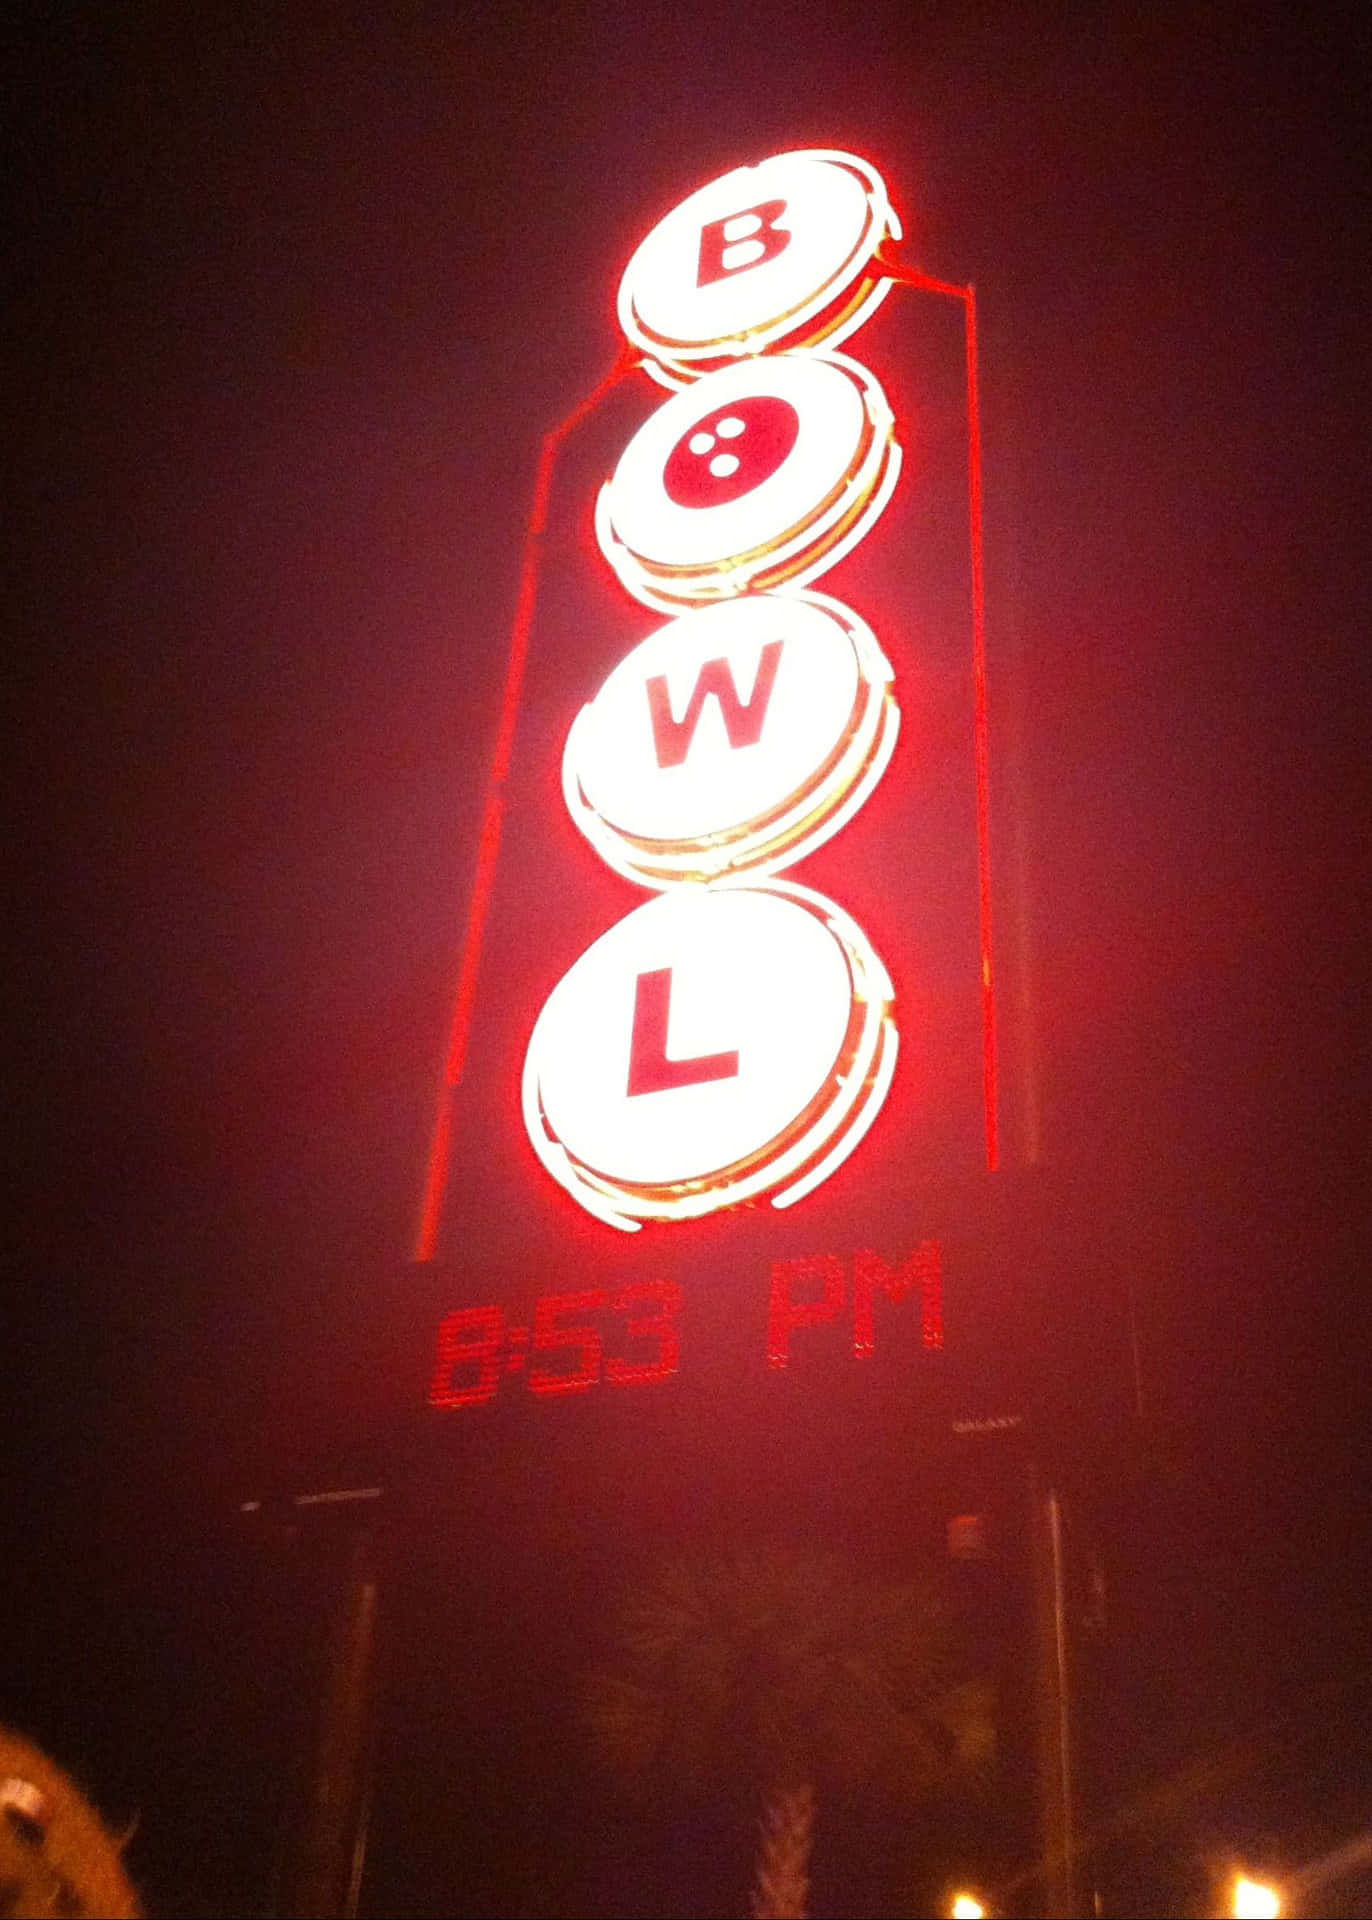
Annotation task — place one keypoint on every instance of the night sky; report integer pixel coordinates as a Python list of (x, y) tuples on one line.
[(292, 296)]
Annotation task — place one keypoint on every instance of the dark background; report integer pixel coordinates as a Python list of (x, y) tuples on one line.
[(291, 296)]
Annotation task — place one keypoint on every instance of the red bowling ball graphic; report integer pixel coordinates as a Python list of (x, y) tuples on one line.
[(731, 451)]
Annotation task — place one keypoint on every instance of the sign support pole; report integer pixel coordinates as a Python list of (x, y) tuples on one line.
[(1052, 1698), (325, 1879)]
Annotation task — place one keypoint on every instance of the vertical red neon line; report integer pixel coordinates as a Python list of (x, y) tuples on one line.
[(981, 738), (910, 277), (492, 820)]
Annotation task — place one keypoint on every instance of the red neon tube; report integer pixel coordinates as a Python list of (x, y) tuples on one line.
[(908, 276), (493, 816)]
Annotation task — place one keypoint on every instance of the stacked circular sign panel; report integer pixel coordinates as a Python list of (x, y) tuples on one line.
[(717, 1044), (732, 1038), (779, 255), (764, 473), (733, 739)]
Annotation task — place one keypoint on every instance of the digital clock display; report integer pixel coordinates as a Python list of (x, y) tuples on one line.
[(631, 1336), (628, 1336)]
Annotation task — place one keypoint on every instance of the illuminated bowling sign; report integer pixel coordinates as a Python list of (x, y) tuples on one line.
[(720, 1100), (732, 1039)]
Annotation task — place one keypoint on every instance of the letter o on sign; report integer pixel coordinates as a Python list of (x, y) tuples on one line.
[(763, 473), (773, 256)]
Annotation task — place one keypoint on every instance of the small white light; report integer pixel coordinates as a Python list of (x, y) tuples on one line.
[(1254, 1901)]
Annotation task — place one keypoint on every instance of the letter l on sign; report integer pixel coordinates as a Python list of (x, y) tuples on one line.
[(650, 1071)]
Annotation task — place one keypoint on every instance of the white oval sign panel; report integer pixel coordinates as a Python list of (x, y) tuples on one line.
[(763, 473), (734, 739), (766, 257), (717, 1044)]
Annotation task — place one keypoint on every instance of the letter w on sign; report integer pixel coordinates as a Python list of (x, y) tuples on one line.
[(742, 718)]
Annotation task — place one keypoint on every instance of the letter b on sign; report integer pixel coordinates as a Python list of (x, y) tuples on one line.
[(741, 241)]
